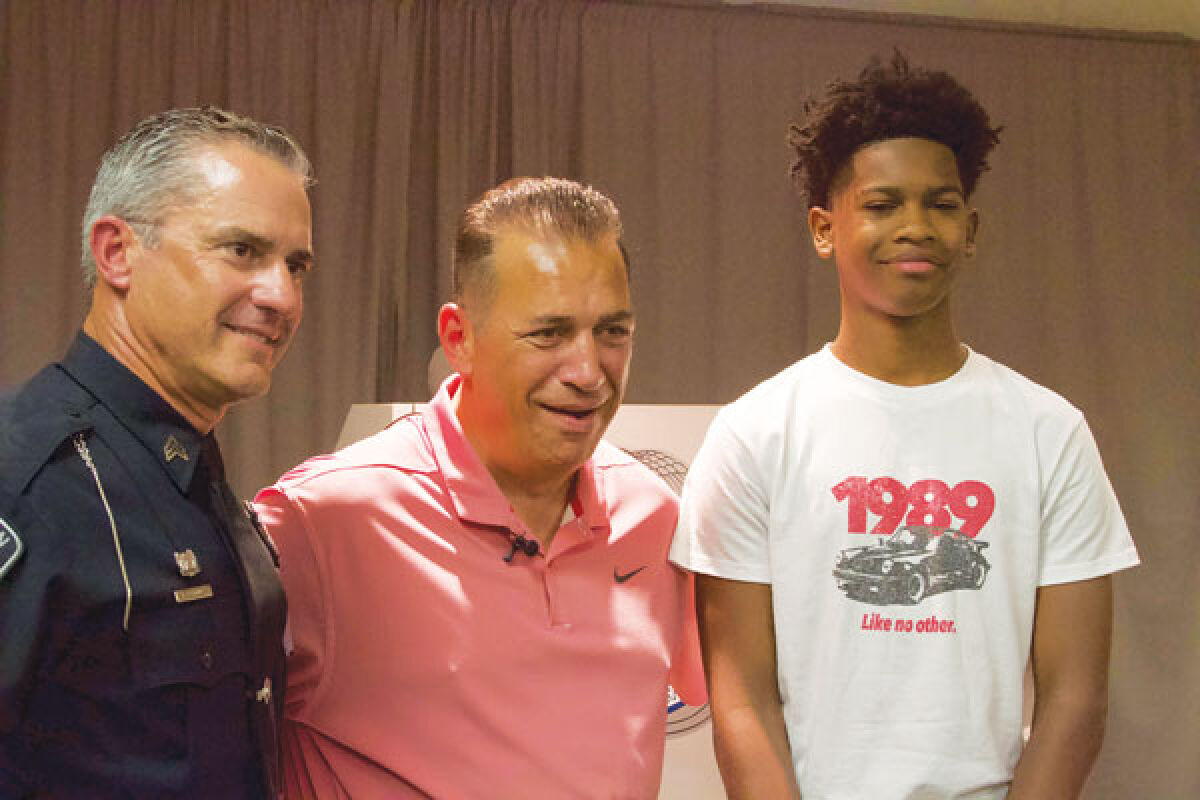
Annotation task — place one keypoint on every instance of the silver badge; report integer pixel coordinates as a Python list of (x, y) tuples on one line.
[(189, 567), (172, 449)]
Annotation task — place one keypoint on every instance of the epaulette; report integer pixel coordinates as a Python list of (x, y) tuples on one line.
[(35, 420)]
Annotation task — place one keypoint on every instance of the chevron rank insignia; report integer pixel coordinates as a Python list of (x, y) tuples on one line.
[(172, 449), (10, 547)]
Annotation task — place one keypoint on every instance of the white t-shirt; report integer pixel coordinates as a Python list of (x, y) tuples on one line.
[(901, 659)]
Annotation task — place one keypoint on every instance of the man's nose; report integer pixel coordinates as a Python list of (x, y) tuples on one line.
[(278, 288), (915, 225), (581, 368)]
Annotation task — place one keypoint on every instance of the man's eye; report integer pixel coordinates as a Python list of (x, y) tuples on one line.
[(878, 206), (616, 333), (946, 205), (240, 249), (544, 335)]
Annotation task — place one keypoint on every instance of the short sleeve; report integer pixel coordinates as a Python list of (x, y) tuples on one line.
[(1084, 534), (687, 665), (724, 517), (25, 613), (300, 572)]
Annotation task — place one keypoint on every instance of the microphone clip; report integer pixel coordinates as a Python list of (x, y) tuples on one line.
[(529, 547)]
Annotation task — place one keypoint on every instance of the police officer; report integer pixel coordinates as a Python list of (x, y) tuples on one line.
[(141, 617)]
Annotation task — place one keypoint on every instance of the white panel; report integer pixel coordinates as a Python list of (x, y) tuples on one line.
[(365, 419)]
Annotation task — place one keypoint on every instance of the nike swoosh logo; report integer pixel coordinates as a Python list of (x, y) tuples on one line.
[(619, 578)]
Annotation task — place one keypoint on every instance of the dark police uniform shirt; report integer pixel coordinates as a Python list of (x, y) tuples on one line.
[(164, 690)]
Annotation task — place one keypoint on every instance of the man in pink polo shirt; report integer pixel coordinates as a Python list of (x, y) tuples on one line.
[(480, 600)]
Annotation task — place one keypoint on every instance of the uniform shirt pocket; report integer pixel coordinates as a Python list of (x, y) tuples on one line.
[(181, 645)]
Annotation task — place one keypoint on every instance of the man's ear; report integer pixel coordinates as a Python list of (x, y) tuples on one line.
[(457, 337), (820, 224), (113, 242), (972, 229)]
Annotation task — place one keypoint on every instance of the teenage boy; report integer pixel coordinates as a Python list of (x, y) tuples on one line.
[(887, 531)]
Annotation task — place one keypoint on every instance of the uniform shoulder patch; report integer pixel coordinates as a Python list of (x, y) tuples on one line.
[(10, 547)]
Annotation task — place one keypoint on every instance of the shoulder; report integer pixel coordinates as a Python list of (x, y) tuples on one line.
[(756, 425), (640, 487), (33, 544), (641, 504), (807, 374), (1042, 406), (35, 419), (771, 404), (401, 448), (637, 470)]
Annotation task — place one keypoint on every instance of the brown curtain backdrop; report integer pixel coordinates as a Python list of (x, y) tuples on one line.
[(1087, 278)]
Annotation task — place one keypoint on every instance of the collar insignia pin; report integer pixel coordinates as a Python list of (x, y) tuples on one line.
[(172, 449), (189, 567)]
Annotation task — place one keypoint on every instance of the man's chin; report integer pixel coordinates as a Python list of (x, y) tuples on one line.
[(247, 384), (575, 450)]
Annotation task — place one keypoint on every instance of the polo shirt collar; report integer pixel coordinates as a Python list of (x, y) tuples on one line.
[(472, 489), (170, 438)]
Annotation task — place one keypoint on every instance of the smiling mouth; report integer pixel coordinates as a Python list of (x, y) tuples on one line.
[(269, 341), (576, 413), (915, 264)]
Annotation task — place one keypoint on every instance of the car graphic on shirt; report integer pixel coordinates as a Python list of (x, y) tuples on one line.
[(911, 564)]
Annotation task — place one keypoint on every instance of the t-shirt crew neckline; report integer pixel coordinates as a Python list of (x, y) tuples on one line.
[(908, 395)]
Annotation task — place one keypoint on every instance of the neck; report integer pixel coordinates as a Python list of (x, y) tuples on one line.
[(107, 325), (539, 506), (539, 499), (906, 351)]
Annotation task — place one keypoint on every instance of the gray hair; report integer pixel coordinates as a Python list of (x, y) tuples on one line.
[(544, 207), (152, 168)]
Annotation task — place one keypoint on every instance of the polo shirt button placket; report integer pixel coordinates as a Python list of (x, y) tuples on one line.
[(541, 567), (556, 621)]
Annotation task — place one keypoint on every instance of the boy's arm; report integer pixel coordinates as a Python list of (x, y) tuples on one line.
[(1072, 631), (737, 636)]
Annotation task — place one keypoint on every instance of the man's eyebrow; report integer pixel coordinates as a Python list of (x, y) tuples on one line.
[(624, 315), (549, 320), (895, 191), (236, 233), (303, 255)]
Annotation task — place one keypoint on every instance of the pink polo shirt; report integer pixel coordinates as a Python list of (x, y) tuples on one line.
[(424, 665)]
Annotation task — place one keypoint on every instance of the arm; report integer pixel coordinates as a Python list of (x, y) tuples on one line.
[(737, 636), (26, 602), (1072, 630), (304, 637), (687, 667)]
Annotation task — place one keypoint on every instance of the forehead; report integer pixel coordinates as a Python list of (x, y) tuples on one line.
[(906, 163), (236, 183), (538, 275)]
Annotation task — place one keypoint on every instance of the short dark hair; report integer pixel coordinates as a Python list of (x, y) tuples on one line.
[(888, 101), (543, 207), (152, 168)]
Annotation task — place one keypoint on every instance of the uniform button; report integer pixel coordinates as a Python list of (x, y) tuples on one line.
[(206, 660)]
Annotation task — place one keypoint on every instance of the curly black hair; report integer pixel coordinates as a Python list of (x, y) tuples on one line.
[(888, 101)]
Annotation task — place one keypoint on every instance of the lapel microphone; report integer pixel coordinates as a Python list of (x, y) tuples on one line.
[(529, 547)]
